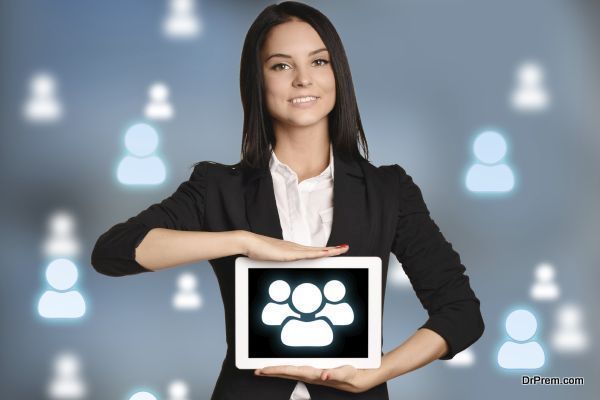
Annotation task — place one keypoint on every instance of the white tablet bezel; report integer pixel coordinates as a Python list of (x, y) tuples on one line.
[(373, 264)]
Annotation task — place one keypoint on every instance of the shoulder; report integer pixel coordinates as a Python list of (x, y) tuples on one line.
[(391, 174), (400, 183), (215, 169)]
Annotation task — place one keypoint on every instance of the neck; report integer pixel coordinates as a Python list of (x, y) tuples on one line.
[(304, 149)]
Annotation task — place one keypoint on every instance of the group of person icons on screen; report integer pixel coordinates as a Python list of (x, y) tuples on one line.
[(306, 314)]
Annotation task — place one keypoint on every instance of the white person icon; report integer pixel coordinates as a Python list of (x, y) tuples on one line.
[(307, 298)]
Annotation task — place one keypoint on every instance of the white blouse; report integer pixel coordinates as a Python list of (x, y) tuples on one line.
[(305, 214)]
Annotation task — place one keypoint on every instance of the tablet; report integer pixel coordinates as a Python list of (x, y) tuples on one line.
[(323, 312)]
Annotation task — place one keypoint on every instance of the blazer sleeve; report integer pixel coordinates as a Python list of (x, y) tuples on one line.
[(435, 271), (114, 251)]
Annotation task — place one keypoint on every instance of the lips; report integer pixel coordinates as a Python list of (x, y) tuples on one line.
[(303, 97)]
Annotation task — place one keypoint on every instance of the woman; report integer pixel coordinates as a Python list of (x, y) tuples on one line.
[(281, 202)]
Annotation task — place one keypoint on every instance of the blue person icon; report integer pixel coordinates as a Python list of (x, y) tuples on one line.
[(490, 174), (141, 167), (521, 326)]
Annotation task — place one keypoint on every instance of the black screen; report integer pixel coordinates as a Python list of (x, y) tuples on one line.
[(349, 340)]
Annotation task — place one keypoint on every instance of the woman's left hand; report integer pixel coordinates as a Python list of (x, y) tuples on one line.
[(345, 377)]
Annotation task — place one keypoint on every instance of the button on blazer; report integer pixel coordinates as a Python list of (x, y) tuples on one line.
[(377, 211)]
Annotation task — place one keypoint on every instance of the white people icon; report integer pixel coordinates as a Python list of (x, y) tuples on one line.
[(143, 396), (490, 173), (61, 240), (61, 274), (569, 335), (307, 299), (530, 93), (43, 104), (178, 390), (181, 21), (544, 286), (187, 297), (141, 167), (66, 381), (159, 106), (521, 326)]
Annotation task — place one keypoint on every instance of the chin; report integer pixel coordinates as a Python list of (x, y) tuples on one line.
[(308, 120)]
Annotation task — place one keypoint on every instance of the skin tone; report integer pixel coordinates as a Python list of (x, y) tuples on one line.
[(296, 64)]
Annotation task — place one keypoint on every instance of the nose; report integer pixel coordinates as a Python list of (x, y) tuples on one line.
[(302, 78)]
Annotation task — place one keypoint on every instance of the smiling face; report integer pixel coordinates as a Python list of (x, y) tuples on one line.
[(299, 83)]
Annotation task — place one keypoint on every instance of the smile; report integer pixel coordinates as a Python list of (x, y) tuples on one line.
[(304, 102)]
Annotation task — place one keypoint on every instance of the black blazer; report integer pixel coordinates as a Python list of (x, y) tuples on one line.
[(377, 211)]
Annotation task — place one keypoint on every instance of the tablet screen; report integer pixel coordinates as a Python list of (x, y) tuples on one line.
[(308, 312)]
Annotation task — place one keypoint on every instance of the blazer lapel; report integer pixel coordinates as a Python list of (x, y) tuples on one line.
[(261, 206), (350, 219)]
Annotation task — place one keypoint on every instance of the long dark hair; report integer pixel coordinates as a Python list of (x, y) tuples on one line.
[(345, 128)]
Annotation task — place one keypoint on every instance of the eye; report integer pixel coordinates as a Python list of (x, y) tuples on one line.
[(324, 62), (276, 66)]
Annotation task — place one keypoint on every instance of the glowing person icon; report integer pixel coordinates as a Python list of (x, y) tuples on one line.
[(544, 287), (465, 358), (143, 396), (187, 298), (43, 104), (396, 275), (181, 21), (530, 93), (66, 382), (338, 313), (490, 148), (307, 299), (61, 274), (61, 241), (158, 106), (279, 310), (569, 336), (178, 390), (521, 326), (141, 168)]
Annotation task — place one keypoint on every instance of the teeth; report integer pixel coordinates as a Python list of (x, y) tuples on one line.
[(303, 99)]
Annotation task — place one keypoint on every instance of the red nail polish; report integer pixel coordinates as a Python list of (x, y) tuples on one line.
[(342, 245)]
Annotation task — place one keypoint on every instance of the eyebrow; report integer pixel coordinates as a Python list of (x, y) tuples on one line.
[(287, 56)]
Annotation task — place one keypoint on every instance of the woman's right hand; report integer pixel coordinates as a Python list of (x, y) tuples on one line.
[(260, 247)]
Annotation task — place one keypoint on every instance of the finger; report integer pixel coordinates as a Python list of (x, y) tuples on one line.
[(333, 251), (277, 370), (299, 372), (323, 253)]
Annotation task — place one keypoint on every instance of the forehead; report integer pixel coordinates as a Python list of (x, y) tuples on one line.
[(294, 37)]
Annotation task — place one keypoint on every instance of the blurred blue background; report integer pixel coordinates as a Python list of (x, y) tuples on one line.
[(429, 75)]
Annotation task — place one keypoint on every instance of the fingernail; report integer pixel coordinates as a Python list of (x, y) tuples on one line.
[(257, 372), (342, 245), (325, 377)]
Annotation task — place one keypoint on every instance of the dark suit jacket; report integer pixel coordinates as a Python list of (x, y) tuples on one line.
[(377, 211)]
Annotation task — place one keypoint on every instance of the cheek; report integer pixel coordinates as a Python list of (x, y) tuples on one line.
[(275, 84), (327, 82), (328, 85)]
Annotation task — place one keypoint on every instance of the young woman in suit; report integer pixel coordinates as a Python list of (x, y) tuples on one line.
[(302, 186)]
